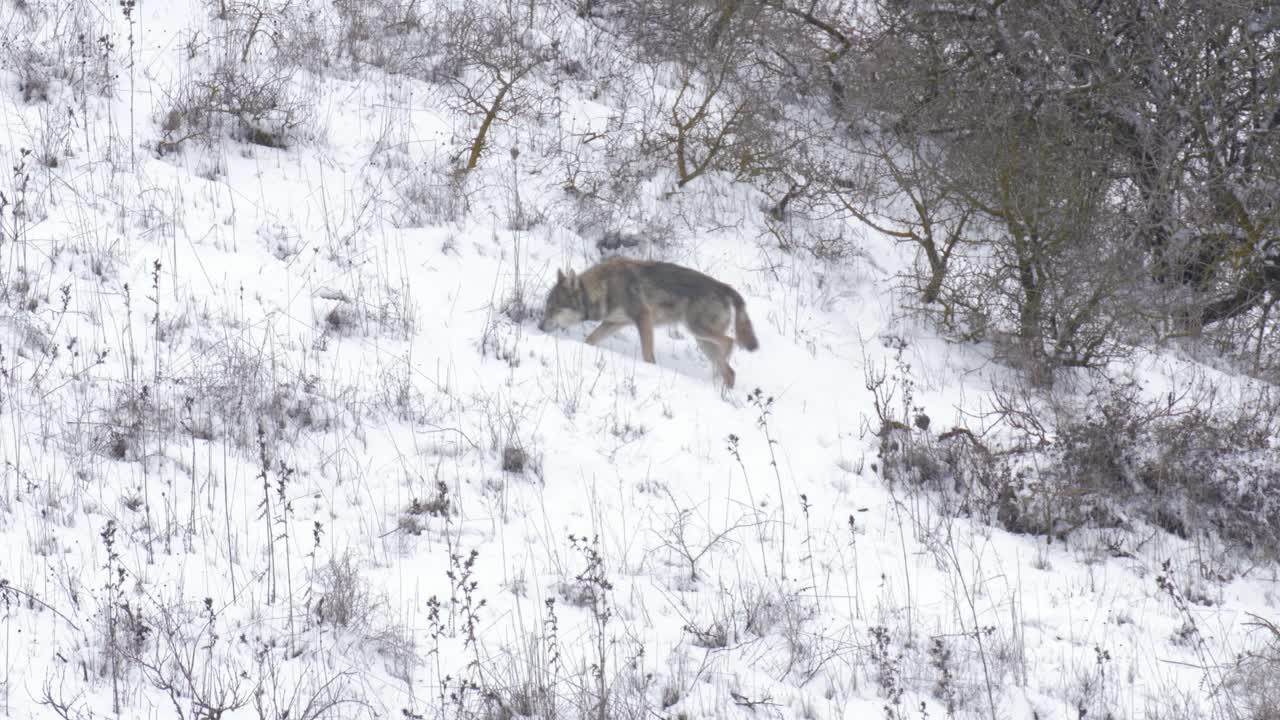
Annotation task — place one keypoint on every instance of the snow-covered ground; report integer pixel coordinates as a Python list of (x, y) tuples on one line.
[(278, 436)]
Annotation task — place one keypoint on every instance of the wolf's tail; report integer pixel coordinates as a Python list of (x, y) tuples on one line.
[(742, 330)]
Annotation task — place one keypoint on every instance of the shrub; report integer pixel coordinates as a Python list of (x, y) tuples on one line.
[(1107, 458), (346, 599), (1178, 463), (250, 104)]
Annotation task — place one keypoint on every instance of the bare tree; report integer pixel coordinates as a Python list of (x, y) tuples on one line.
[(904, 193), (1101, 126), (492, 55)]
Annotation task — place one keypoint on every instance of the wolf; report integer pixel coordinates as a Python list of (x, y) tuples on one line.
[(621, 291)]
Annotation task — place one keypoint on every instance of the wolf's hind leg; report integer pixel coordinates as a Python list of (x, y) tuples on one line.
[(716, 352)]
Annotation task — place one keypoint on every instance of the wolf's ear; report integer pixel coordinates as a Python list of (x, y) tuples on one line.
[(570, 278), (559, 276)]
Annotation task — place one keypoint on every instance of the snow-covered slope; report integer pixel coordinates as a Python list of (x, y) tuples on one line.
[(280, 434)]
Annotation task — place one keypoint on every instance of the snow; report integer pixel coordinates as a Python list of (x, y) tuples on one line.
[(306, 318)]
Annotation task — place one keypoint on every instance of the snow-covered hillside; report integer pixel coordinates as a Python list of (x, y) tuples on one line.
[(281, 437)]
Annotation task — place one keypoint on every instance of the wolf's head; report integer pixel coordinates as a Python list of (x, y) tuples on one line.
[(566, 303)]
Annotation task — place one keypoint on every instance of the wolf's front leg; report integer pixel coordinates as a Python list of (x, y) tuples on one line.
[(644, 323), (603, 331)]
